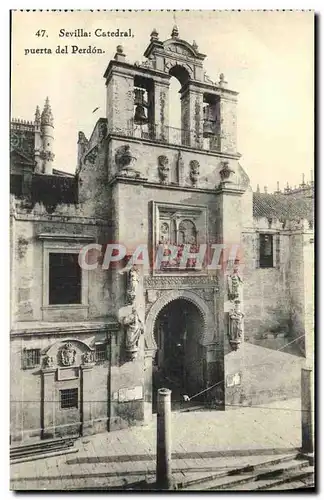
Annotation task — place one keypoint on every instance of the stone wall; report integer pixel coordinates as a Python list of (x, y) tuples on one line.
[(120, 102), (260, 375), (28, 263), (31, 407), (147, 155), (301, 288)]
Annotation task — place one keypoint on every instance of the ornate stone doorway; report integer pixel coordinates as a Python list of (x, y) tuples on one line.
[(178, 363)]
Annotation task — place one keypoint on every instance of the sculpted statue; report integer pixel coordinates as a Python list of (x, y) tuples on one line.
[(134, 328), (87, 357), (234, 284), (236, 326), (133, 281), (48, 362)]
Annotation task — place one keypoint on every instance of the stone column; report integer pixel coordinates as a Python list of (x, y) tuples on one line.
[(163, 441), (120, 103), (192, 117), (161, 111), (86, 397), (229, 230), (227, 123), (307, 411), (48, 403)]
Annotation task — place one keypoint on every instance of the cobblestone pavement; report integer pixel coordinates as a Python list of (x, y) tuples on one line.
[(203, 442)]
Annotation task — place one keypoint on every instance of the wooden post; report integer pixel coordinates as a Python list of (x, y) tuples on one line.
[(163, 441), (307, 411)]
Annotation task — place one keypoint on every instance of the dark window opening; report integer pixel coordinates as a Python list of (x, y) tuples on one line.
[(31, 358), (266, 250), (101, 353), (69, 398), (64, 279)]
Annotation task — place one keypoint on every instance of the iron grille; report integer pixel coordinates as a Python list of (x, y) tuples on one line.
[(69, 398), (31, 358), (101, 353)]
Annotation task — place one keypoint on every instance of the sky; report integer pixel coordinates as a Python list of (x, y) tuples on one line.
[(268, 57)]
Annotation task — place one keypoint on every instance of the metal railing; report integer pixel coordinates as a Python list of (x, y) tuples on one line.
[(170, 135)]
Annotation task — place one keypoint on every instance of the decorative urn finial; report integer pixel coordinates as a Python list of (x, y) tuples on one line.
[(175, 32), (154, 35), (222, 82)]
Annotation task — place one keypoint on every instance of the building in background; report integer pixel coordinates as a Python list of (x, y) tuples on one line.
[(89, 348)]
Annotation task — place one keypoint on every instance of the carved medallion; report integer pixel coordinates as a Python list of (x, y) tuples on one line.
[(67, 354)]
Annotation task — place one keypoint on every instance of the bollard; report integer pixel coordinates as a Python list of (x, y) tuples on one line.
[(306, 411), (163, 441)]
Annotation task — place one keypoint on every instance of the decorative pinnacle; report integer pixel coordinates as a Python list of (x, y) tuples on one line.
[(154, 35), (37, 115), (175, 32), (222, 82), (194, 44), (119, 49), (47, 116), (258, 188)]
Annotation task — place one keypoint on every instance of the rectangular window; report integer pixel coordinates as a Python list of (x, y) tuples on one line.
[(266, 250), (64, 279), (101, 353), (31, 358), (69, 398)]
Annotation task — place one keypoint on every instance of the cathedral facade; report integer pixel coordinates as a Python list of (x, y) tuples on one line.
[(203, 277)]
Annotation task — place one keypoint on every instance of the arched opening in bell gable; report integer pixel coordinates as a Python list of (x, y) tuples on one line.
[(178, 119)]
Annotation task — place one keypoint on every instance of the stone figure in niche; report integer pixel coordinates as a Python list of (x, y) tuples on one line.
[(194, 172), (133, 281), (68, 354), (235, 283), (87, 357), (163, 169), (133, 328), (48, 362), (102, 131), (236, 326)]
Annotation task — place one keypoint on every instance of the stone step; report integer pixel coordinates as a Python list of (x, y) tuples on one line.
[(286, 480), (41, 456), (41, 447), (228, 479)]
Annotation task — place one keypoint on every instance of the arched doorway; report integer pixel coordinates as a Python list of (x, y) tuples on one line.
[(179, 360)]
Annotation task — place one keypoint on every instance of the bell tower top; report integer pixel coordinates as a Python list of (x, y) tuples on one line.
[(175, 52)]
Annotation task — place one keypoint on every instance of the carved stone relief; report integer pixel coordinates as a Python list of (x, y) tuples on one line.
[(226, 173), (87, 357), (67, 354), (194, 172), (48, 362), (126, 161), (163, 169), (167, 282), (92, 155)]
